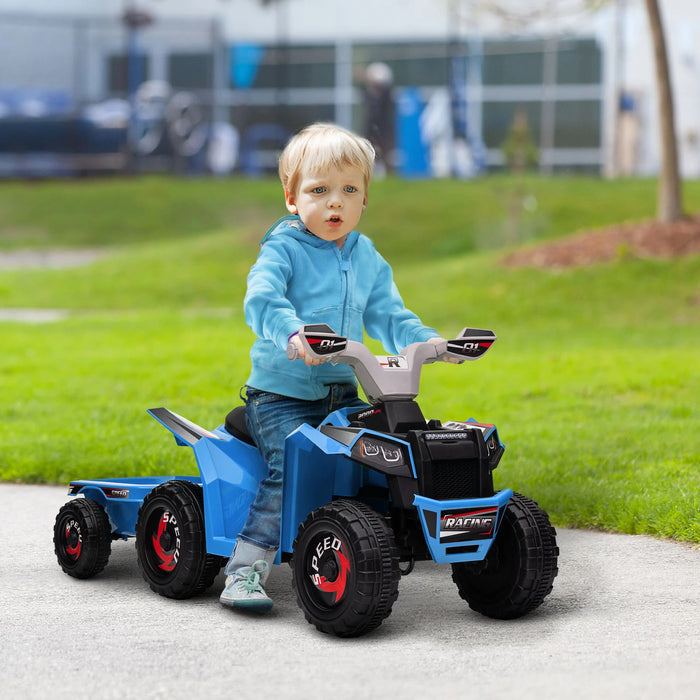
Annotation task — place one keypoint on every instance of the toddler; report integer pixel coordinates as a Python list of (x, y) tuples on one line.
[(313, 267)]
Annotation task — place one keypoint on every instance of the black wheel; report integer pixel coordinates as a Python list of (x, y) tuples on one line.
[(517, 573), (170, 541), (82, 538), (346, 569)]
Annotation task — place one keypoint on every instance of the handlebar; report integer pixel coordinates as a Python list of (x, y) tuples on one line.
[(393, 376), (319, 341)]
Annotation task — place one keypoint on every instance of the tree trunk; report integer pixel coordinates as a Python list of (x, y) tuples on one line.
[(669, 204)]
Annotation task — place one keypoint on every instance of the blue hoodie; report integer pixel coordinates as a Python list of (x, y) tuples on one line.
[(299, 278)]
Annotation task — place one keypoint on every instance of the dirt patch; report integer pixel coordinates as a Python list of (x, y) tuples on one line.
[(647, 239)]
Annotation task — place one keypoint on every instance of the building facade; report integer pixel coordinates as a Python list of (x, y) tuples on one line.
[(582, 83)]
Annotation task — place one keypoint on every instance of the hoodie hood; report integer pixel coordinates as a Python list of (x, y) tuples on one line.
[(293, 226)]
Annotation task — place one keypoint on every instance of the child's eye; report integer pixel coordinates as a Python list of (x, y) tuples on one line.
[(319, 190), (350, 189)]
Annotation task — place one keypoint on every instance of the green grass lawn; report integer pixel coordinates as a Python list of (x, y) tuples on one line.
[(593, 382)]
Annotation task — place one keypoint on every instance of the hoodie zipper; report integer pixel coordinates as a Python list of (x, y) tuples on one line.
[(344, 269)]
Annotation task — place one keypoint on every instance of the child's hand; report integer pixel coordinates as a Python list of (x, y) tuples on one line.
[(301, 353), (437, 341)]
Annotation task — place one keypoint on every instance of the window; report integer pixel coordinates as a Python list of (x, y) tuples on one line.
[(297, 67), (513, 63), (578, 62), (190, 71), (118, 72), (498, 118), (577, 124), (412, 64)]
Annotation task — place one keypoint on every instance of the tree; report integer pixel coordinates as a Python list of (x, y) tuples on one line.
[(669, 205)]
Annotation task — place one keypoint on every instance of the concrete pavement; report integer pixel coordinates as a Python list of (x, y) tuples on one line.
[(623, 621)]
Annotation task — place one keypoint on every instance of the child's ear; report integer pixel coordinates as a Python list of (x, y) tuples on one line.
[(289, 200)]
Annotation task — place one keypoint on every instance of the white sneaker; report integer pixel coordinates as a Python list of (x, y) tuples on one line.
[(243, 589)]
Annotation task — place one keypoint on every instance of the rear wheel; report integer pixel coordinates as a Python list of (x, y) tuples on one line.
[(170, 541), (346, 569), (517, 573), (82, 538)]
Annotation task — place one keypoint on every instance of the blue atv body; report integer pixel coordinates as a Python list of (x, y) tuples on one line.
[(364, 493)]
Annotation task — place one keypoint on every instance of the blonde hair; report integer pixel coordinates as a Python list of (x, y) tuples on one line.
[(322, 146)]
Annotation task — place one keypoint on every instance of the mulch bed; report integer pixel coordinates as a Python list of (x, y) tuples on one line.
[(647, 239)]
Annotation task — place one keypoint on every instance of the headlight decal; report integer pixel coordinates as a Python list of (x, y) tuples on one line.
[(376, 450)]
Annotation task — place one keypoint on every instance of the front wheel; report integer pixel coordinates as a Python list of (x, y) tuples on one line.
[(82, 538), (170, 541), (346, 569), (517, 573)]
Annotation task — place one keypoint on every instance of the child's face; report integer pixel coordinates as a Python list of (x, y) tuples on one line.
[(330, 203)]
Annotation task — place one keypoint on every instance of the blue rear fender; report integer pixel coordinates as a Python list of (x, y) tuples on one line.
[(231, 471), (231, 474)]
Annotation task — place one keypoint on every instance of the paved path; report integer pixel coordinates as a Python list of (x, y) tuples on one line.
[(623, 621)]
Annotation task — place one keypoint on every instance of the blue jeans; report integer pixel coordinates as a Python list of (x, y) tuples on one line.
[(270, 418)]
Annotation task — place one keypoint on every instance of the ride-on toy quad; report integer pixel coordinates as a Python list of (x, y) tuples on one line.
[(365, 495)]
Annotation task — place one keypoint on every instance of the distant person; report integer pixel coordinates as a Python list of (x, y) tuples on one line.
[(379, 119), (313, 267)]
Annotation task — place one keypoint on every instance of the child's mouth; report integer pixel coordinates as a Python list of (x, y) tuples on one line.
[(334, 219)]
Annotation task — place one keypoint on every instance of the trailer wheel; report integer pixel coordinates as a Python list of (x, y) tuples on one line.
[(346, 569), (517, 573), (82, 538), (170, 541)]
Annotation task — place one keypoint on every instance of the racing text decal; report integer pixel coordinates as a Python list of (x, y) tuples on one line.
[(469, 524)]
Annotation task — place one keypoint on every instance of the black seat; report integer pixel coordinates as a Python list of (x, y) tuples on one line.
[(235, 424)]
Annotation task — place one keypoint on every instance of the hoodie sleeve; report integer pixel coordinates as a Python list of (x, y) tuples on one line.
[(387, 319), (267, 310)]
